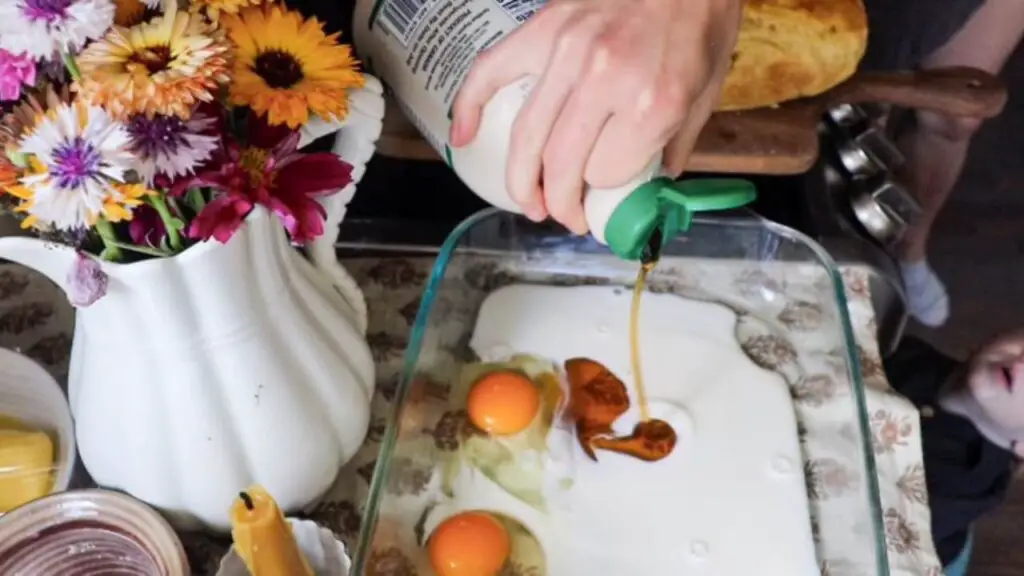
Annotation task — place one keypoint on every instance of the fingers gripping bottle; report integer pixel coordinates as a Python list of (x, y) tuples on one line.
[(422, 49)]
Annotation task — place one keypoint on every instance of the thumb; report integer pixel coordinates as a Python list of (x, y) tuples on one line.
[(676, 156), (492, 71), (677, 152), (524, 52)]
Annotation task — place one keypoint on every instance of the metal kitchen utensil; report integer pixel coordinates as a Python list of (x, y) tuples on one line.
[(883, 207), (861, 144), (847, 116), (867, 154), (856, 161), (826, 196), (879, 147)]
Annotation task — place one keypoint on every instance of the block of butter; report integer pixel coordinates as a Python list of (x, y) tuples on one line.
[(26, 467)]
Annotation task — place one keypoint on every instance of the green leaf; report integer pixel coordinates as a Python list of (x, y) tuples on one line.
[(196, 199), (19, 159)]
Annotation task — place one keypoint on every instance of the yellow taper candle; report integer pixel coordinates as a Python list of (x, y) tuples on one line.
[(263, 538)]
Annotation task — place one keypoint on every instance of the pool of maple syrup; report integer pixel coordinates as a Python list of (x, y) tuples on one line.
[(597, 397)]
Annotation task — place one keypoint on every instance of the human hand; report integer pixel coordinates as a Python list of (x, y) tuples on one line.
[(617, 81)]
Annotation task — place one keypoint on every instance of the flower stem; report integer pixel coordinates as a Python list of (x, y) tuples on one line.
[(175, 207), (196, 199), (150, 251), (111, 248), (171, 223), (71, 65)]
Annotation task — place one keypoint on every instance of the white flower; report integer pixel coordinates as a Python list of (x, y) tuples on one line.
[(170, 146), (42, 28), (81, 154)]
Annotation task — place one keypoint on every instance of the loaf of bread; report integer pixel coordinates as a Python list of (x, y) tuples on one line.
[(789, 49)]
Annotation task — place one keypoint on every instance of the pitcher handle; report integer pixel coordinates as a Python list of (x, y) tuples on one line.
[(355, 142)]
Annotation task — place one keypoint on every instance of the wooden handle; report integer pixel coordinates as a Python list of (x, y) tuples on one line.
[(955, 91), (776, 141), (784, 140)]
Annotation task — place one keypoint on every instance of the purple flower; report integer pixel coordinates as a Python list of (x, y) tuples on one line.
[(169, 146), (87, 282), (46, 10), (43, 29), (75, 163), (15, 71)]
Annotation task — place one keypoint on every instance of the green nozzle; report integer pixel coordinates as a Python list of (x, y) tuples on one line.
[(662, 208)]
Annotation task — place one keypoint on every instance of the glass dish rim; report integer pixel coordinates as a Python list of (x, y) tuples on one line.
[(413, 347)]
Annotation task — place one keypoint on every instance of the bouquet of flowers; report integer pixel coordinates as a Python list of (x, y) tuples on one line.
[(133, 129)]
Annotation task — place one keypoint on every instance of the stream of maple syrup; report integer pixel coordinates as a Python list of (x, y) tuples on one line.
[(597, 398), (634, 339)]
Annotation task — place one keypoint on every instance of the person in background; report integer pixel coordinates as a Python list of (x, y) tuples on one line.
[(908, 34), (619, 80), (972, 428)]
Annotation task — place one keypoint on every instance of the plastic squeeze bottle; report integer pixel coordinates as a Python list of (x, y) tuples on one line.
[(422, 49)]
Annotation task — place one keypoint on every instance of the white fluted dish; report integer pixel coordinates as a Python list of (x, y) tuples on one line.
[(324, 552), (89, 532), (29, 394)]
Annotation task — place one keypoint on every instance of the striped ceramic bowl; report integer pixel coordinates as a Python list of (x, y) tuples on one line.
[(89, 532)]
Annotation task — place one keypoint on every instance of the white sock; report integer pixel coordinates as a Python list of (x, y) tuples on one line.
[(927, 300)]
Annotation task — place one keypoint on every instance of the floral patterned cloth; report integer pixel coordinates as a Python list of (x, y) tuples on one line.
[(35, 319)]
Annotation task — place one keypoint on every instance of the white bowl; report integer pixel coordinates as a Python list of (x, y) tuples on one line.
[(29, 394), (325, 553)]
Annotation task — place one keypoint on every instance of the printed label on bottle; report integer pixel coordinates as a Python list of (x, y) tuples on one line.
[(424, 48)]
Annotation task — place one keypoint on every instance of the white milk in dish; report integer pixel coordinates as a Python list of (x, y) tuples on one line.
[(729, 500)]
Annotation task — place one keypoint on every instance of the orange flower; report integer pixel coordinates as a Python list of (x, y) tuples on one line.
[(287, 68), (8, 173), (214, 8), (164, 66)]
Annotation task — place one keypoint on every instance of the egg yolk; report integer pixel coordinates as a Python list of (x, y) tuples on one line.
[(469, 544), (503, 403)]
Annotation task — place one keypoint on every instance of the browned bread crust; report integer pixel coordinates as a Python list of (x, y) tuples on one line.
[(789, 49)]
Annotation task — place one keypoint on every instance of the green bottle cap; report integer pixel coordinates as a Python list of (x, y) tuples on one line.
[(666, 206)]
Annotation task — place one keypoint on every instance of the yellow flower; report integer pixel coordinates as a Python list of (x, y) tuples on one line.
[(25, 194), (119, 207), (164, 66), (214, 8), (287, 68)]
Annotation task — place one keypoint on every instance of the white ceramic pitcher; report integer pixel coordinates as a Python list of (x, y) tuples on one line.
[(226, 365)]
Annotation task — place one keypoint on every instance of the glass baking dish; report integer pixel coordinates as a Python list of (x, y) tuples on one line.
[(783, 287)]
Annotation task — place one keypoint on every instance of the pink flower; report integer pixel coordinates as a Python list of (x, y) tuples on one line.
[(146, 227), (221, 218), (87, 282), (268, 172), (15, 71)]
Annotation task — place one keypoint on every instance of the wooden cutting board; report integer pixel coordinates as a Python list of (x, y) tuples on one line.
[(784, 140)]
